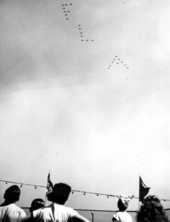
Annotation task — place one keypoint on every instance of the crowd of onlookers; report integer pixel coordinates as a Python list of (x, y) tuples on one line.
[(151, 210)]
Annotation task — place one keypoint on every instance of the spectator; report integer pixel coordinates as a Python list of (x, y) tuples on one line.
[(151, 210), (9, 211), (56, 211), (36, 204), (122, 215)]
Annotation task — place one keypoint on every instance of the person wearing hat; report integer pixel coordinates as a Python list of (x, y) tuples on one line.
[(9, 211), (122, 215), (56, 211)]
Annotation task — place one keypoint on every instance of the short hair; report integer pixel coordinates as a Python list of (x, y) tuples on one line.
[(60, 193), (151, 210), (12, 193), (123, 203), (36, 204)]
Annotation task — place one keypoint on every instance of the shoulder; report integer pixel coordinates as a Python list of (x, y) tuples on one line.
[(3, 209), (128, 216), (122, 216), (16, 208), (68, 210), (22, 212), (41, 211), (116, 214)]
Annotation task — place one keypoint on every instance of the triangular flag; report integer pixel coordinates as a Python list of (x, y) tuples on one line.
[(143, 189), (49, 184)]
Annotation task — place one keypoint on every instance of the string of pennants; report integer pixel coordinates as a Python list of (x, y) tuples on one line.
[(73, 191)]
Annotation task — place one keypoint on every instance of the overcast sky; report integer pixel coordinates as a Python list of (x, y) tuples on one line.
[(84, 92)]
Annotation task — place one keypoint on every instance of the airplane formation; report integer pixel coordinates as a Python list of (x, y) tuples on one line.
[(82, 36), (66, 10), (66, 7), (117, 61)]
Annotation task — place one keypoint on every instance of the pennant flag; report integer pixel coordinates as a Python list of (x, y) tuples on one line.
[(143, 190), (49, 184)]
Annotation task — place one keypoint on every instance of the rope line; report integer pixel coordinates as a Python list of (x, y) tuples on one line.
[(102, 211), (73, 191)]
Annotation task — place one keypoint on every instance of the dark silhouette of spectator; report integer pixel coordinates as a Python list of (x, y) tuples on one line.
[(11, 195), (9, 211), (122, 215), (36, 204), (151, 210), (56, 211)]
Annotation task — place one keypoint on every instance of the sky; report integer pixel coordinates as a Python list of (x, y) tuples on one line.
[(84, 93)]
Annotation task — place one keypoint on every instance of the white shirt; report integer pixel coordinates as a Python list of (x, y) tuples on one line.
[(11, 213), (54, 213), (123, 217)]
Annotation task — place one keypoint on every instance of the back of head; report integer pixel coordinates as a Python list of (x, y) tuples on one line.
[(123, 203), (12, 194), (60, 193), (36, 204), (151, 210)]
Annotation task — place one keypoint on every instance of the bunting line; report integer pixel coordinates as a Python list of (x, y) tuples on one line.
[(73, 191), (21, 184), (102, 194)]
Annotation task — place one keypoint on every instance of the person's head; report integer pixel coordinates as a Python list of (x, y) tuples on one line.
[(151, 210), (60, 193), (12, 194), (123, 203), (36, 204)]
